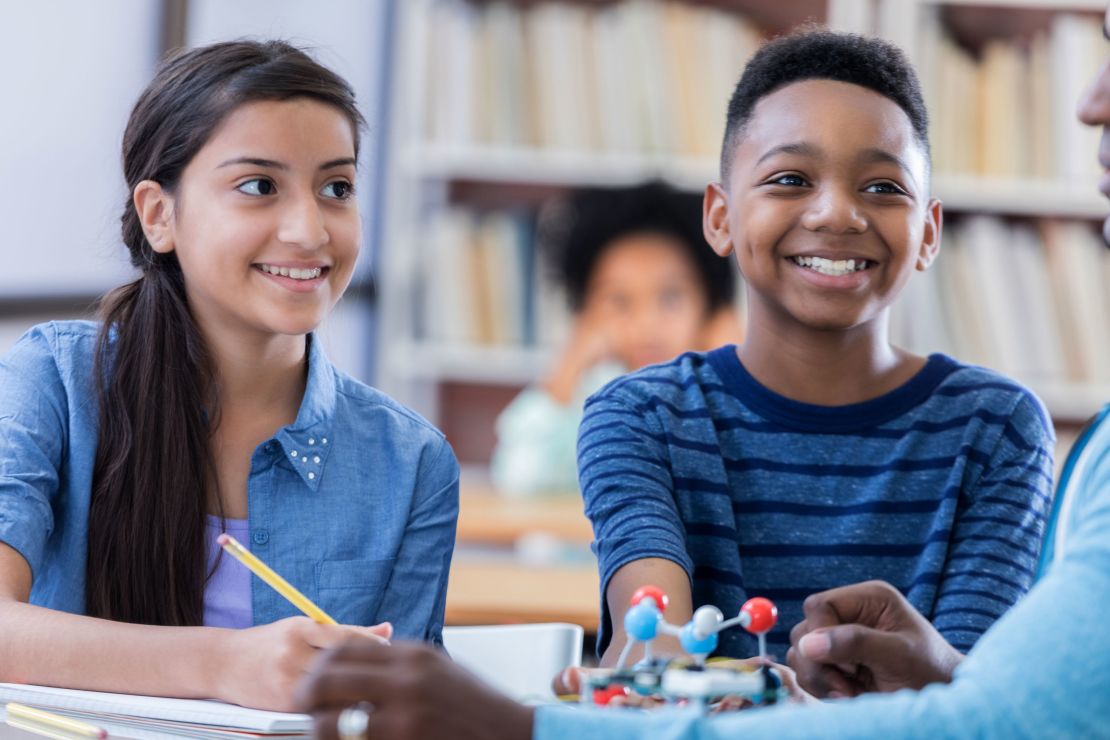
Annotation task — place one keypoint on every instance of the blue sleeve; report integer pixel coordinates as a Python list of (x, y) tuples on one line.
[(1041, 671), (32, 443), (996, 537), (417, 592), (625, 475)]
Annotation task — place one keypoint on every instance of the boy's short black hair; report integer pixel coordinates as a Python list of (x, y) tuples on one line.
[(824, 55), (574, 237)]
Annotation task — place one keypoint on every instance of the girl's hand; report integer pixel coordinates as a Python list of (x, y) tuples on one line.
[(260, 666)]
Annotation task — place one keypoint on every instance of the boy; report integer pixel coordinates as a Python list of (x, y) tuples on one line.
[(816, 454)]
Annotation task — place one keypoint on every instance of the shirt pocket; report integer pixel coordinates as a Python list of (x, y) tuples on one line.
[(351, 591)]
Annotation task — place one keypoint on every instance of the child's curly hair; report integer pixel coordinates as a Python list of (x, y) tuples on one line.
[(575, 235)]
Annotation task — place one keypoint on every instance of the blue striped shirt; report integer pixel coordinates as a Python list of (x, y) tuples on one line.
[(940, 487)]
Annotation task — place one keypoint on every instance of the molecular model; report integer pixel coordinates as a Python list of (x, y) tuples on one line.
[(692, 680)]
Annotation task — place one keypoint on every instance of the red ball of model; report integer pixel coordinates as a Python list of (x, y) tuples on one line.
[(602, 697), (763, 614), (655, 593)]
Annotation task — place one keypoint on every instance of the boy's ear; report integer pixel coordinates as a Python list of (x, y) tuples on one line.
[(714, 220), (154, 205), (930, 239)]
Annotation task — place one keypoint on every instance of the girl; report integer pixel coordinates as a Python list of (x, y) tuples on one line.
[(201, 403)]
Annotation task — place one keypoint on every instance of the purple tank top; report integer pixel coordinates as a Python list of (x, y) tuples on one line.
[(227, 595)]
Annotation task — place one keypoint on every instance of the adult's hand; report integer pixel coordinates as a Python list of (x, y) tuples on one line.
[(416, 693), (866, 637)]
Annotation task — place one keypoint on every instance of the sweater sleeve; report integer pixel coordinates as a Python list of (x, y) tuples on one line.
[(996, 536)]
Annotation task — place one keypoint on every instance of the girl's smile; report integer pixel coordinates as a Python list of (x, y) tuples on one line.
[(297, 277)]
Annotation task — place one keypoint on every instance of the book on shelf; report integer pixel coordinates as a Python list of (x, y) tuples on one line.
[(1007, 110), (483, 284), (1027, 300), (1080, 270), (642, 76)]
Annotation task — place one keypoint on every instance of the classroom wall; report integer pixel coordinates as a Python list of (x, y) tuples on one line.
[(75, 82), (69, 75)]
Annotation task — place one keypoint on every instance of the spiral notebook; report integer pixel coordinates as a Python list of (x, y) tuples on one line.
[(140, 717)]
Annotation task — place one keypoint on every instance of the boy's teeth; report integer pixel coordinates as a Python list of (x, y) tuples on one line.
[(835, 268), (297, 273)]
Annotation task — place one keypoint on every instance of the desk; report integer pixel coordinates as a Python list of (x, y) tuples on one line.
[(485, 517), (498, 587), (492, 593)]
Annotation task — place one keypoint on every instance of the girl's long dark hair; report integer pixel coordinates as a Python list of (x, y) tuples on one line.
[(157, 392)]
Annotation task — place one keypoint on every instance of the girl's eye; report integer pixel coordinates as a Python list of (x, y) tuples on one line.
[(257, 186), (884, 188), (795, 181), (340, 190)]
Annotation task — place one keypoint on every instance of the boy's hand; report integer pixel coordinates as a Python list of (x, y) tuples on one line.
[(867, 637), (567, 682), (798, 695), (416, 693)]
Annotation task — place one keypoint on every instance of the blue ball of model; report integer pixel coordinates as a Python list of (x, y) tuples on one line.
[(695, 643), (641, 622)]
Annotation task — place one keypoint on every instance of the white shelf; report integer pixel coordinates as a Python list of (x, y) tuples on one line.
[(509, 165), (1027, 197), (518, 366), (496, 164), (493, 365)]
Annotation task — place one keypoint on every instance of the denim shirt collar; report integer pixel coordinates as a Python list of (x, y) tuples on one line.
[(308, 441)]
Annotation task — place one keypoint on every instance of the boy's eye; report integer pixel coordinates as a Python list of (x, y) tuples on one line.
[(257, 186), (884, 188), (340, 190), (795, 181)]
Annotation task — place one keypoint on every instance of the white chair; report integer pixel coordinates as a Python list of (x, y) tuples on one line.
[(518, 659)]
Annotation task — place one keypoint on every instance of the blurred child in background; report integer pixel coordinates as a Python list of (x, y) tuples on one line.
[(644, 287)]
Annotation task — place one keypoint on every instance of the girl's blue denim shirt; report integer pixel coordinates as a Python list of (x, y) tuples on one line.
[(354, 503)]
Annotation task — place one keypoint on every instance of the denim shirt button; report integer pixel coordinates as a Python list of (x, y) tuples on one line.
[(260, 537)]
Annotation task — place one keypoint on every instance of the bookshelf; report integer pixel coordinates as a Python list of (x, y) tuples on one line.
[(1018, 175), (462, 163)]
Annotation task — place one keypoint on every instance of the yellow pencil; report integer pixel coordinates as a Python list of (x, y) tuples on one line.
[(47, 723), (276, 582)]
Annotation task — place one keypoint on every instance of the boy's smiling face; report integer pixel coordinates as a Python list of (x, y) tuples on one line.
[(826, 206)]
